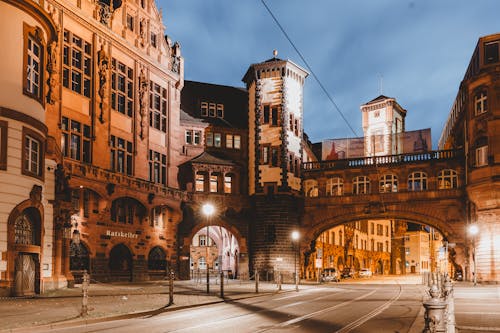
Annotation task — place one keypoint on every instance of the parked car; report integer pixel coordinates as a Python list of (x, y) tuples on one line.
[(347, 272), (329, 275), (365, 272)]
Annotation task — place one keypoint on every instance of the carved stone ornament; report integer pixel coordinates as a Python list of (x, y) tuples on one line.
[(52, 69), (36, 194), (143, 103), (103, 67)]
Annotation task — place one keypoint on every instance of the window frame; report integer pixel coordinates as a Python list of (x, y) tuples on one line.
[(480, 102), (4, 130), (481, 156), (27, 132), (338, 184), (357, 182), (388, 183), (121, 71), (128, 158), (158, 115), (157, 167), (447, 175), (417, 177), (35, 35), (70, 48)]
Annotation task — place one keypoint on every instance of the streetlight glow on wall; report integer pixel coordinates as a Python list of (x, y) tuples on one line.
[(295, 239), (207, 209), (473, 231)]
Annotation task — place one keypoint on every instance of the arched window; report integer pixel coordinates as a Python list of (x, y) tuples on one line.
[(334, 186), (388, 183), (447, 179), (157, 260), (24, 230), (311, 188), (127, 210), (361, 185), (417, 181), (120, 259)]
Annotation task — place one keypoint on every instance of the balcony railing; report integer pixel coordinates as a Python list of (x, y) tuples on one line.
[(362, 162), (77, 169)]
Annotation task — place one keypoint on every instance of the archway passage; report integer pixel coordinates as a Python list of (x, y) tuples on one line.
[(214, 248), (120, 263), (157, 263), (383, 247)]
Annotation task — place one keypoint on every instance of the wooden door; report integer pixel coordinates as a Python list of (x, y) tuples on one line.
[(25, 275)]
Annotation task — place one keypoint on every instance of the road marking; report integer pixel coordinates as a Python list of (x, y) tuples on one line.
[(370, 315), (312, 314)]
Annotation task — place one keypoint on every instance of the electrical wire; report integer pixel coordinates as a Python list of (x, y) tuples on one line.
[(309, 68)]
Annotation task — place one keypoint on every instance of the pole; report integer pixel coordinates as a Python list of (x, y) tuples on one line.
[(85, 293), (221, 284), (171, 288), (257, 281), (474, 258), (296, 273), (207, 266)]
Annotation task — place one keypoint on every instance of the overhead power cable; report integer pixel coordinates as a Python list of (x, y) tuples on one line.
[(309, 68)]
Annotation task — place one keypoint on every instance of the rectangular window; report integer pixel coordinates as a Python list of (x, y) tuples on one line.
[(217, 140), (213, 184), (200, 182), (491, 52), (237, 142), (197, 137), (220, 111), (158, 107), (32, 162), (274, 156), (481, 103), (33, 83), (121, 155), (75, 140), (210, 139), (227, 184), (229, 141), (153, 40), (157, 167), (77, 64), (130, 22), (122, 88), (266, 114), (189, 137), (204, 109), (274, 115), (264, 158), (3, 145), (211, 110), (482, 156)]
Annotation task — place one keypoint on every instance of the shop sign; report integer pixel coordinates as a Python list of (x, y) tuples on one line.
[(121, 234)]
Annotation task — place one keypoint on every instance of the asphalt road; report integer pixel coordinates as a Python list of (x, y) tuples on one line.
[(327, 308)]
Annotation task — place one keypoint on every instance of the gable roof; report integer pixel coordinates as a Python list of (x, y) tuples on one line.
[(206, 158)]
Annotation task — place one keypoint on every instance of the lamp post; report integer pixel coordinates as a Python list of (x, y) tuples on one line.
[(295, 239), (207, 209), (473, 231)]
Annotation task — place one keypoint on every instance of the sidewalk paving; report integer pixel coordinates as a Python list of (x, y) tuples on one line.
[(118, 300)]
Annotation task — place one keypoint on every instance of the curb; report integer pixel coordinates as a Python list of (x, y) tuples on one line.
[(64, 323)]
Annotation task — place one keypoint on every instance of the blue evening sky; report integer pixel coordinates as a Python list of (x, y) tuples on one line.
[(420, 48)]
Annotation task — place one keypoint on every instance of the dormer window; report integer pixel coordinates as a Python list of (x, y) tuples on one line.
[(491, 52), (212, 110)]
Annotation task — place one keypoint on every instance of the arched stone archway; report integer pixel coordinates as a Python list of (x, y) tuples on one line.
[(120, 263)]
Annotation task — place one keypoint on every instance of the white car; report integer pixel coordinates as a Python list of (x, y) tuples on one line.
[(365, 272)]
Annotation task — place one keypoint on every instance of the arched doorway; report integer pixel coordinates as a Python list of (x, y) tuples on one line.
[(120, 263), (157, 263), (25, 240)]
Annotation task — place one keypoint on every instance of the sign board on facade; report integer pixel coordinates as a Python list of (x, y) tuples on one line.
[(319, 263), (122, 234)]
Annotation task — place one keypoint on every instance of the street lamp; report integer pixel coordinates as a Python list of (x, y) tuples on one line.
[(207, 209), (473, 231), (295, 238)]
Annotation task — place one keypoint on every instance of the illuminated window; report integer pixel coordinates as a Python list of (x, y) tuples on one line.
[(417, 181), (210, 139), (361, 185), (334, 186), (388, 183), (214, 183), (447, 179), (200, 182), (233, 141), (311, 188), (228, 180), (217, 140)]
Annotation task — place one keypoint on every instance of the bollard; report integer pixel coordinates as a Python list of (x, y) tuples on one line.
[(171, 288), (257, 281), (450, 313), (221, 284), (435, 312), (279, 281), (85, 293)]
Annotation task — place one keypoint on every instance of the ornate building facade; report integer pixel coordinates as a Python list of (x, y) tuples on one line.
[(107, 154)]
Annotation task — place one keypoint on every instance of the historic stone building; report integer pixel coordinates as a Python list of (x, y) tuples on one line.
[(107, 156)]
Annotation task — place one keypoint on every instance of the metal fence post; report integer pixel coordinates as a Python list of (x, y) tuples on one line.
[(85, 293), (221, 284), (171, 288), (257, 281)]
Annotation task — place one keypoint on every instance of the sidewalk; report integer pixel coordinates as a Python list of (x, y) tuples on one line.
[(119, 300)]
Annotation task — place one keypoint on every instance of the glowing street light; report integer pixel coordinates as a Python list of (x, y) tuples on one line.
[(207, 209), (473, 231), (295, 238)]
